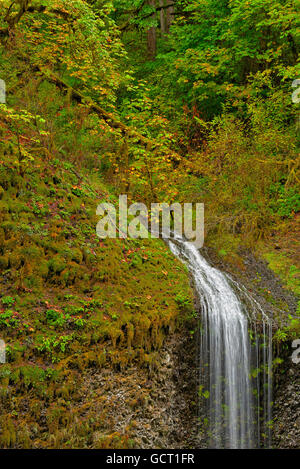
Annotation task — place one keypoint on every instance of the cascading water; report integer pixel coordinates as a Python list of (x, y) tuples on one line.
[(235, 357)]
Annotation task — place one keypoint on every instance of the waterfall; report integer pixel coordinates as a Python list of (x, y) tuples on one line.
[(235, 357)]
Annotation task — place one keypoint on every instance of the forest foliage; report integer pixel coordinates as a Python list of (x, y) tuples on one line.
[(217, 92), (162, 100)]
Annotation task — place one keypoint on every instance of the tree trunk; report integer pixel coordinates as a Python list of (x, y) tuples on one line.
[(170, 14), (151, 35), (13, 20), (163, 23)]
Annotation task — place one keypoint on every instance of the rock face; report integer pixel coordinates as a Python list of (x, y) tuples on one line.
[(150, 408), (286, 413), (158, 407)]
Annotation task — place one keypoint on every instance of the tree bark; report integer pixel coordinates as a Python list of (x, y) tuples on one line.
[(151, 35), (163, 24), (170, 14), (13, 20)]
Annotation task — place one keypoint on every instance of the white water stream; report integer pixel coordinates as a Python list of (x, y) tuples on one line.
[(235, 357)]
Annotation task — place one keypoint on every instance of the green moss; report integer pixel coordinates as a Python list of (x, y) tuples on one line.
[(289, 274), (285, 269), (77, 303)]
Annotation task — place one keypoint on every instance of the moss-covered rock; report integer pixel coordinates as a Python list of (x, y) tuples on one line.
[(74, 303)]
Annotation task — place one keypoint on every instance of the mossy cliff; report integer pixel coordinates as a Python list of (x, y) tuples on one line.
[(72, 305)]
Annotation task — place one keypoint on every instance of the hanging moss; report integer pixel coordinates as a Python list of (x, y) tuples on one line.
[(114, 302)]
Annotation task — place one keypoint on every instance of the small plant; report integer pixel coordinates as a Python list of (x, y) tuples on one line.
[(184, 302), (280, 336), (53, 345), (55, 318), (79, 322), (286, 200), (203, 393), (8, 301), (77, 191), (9, 319)]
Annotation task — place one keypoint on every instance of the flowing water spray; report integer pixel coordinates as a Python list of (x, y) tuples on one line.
[(235, 357)]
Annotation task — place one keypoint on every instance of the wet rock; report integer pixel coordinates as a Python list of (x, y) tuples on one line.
[(286, 412), (153, 409)]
